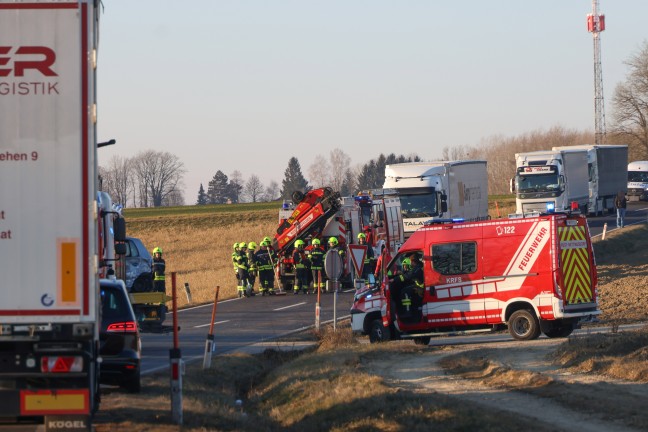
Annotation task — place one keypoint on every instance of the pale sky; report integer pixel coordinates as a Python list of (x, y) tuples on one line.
[(247, 84)]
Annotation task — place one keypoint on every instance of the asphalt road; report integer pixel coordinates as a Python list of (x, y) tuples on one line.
[(238, 324), (636, 213)]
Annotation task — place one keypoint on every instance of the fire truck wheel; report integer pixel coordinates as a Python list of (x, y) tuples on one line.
[(523, 325), (423, 340), (378, 332)]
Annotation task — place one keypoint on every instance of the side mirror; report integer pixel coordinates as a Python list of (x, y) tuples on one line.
[(512, 185), (444, 202), (119, 226), (120, 248)]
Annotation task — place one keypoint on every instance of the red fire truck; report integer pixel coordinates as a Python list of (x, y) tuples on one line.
[(534, 274)]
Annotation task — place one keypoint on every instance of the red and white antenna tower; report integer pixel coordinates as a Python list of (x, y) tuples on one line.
[(595, 25)]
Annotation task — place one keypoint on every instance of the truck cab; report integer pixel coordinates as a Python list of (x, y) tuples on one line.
[(638, 181)]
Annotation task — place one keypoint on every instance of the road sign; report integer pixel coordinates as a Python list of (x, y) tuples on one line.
[(358, 254), (333, 265)]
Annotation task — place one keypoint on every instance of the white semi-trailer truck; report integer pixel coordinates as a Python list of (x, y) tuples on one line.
[(50, 308), (607, 167), (638, 180), (551, 180), (439, 190)]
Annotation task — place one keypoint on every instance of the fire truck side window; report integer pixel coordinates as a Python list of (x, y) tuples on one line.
[(454, 258)]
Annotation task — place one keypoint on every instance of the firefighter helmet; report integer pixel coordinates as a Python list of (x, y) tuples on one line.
[(316, 242), (252, 245), (333, 241), (157, 250), (236, 245), (407, 262), (267, 239), (299, 243), (242, 245), (265, 243), (362, 236)]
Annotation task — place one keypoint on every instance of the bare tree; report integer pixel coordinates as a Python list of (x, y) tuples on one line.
[(235, 186), (272, 191), (630, 102), (159, 175), (253, 188), (118, 179), (319, 172), (340, 165)]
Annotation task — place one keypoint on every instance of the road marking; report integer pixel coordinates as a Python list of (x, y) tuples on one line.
[(204, 305), (205, 325), (286, 307)]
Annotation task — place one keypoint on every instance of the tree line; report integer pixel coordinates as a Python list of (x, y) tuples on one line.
[(152, 179)]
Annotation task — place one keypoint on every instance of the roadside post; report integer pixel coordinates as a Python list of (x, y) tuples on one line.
[(604, 231), (209, 344), (175, 358), (187, 292), (317, 304), (333, 266)]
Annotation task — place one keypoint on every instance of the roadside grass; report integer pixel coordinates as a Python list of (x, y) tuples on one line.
[(620, 245), (323, 389), (622, 355)]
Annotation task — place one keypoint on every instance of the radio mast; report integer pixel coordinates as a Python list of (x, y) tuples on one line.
[(595, 25)]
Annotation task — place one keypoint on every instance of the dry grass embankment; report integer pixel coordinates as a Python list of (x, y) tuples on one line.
[(199, 247), (324, 389)]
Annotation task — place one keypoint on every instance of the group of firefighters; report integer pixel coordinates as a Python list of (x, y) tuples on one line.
[(308, 263)]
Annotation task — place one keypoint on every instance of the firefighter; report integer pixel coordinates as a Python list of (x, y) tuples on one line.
[(252, 266), (370, 260), (301, 267), (410, 287), (317, 264), (383, 259), (264, 260), (242, 268), (158, 269), (235, 254)]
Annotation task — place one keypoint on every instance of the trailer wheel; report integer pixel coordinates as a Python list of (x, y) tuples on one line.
[(378, 332), (560, 331), (423, 340), (523, 325)]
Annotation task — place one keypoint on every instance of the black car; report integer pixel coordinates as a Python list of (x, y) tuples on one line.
[(120, 348)]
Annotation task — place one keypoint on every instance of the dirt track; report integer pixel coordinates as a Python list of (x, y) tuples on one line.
[(599, 403)]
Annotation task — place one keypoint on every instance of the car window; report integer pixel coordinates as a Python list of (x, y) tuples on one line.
[(132, 249), (113, 303)]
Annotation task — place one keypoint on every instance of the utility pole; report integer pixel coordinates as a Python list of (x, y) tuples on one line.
[(595, 25)]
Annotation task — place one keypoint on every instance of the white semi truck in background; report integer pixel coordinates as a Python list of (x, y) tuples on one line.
[(50, 309), (439, 190), (551, 178), (638, 180), (607, 167)]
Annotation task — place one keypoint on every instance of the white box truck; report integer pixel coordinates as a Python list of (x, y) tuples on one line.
[(49, 313), (638, 180), (607, 167), (551, 180), (439, 190)]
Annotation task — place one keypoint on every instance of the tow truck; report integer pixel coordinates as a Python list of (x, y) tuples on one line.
[(322, 213)]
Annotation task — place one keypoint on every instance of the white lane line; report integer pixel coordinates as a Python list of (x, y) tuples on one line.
[(205, 325), (286, 307)]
